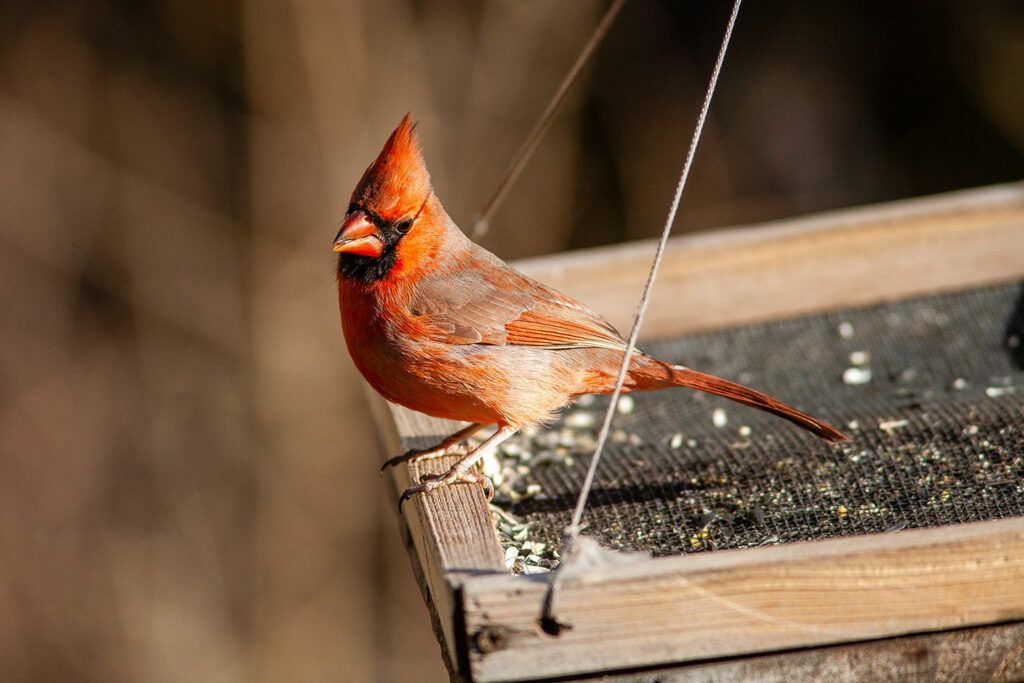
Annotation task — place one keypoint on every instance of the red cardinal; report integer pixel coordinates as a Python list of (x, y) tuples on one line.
[(440, 325)]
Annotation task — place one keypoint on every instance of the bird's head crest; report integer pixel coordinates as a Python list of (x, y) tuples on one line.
[(397, 183)]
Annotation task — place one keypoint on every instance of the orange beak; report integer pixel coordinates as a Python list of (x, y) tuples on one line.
[(358, 235)]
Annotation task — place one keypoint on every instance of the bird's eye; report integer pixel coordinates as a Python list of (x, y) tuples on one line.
[(404, 226)]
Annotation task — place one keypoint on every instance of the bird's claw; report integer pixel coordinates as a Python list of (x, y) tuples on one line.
[(431, 482), (425, 453), (391, 462)]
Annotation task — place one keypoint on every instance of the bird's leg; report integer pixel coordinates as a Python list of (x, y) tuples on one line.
[(446, 447), (460, 471)]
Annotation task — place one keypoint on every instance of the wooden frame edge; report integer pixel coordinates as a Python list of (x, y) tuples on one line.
[(851, 257), (730, 603)]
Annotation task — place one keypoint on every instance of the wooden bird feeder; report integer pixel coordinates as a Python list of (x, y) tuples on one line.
[(929, 602)]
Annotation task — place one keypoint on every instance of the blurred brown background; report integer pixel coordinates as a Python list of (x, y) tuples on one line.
[(188, 471)]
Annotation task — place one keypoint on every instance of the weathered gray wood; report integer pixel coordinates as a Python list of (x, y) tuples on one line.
[(451, 530), (730, 603), (991, 653), (830, 261)]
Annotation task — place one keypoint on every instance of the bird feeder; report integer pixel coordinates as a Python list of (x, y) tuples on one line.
[(750, 547)]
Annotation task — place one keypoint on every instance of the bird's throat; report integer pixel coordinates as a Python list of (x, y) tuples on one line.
[(367, 269)]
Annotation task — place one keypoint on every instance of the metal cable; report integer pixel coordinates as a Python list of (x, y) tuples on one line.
[(483, 220)]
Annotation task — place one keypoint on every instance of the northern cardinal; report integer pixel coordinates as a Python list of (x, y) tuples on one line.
[(440, 325)]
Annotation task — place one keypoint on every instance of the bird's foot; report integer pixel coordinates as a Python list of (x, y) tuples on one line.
[(424, 454), (432, 482)]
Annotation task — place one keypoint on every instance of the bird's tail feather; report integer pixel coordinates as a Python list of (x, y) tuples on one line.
[(657, 375)]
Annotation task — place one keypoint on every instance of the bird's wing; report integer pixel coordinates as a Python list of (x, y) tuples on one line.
[(484, 305), (556, 321)]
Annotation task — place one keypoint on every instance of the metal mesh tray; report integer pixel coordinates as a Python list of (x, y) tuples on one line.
[(931, 390)]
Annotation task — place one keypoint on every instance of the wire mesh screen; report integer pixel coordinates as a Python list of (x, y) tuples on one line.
[(931, 390)]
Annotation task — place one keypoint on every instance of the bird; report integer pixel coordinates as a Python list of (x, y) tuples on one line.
[(440, 325)]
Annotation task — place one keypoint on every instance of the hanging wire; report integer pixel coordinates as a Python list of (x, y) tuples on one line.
[(572, 531), (577, 515), (483, 220)]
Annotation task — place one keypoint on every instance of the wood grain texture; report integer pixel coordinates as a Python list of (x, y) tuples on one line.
[(741, 602), (992, 653), (450, 531), (463, 538), (853, 257)]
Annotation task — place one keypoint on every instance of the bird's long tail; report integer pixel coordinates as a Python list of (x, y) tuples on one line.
[(648, 374)]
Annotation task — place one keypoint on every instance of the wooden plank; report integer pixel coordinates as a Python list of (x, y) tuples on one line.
[(991, 653), (844, 258), (451, 530), (464, 537), (731, 603)]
